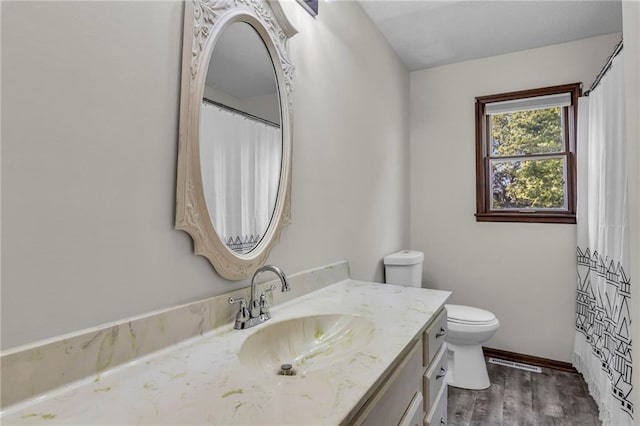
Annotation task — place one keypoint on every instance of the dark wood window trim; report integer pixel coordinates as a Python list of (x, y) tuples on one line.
[(483, 193)]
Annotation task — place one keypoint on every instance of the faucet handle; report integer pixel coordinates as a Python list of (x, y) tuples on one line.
[(242, 317), (264, 307), (240, 300), (270, 289)]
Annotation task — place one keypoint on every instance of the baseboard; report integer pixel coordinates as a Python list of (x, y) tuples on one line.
[(530, 359)]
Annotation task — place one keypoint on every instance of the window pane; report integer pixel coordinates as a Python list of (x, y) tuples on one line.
[(527, 132), (528, 184)]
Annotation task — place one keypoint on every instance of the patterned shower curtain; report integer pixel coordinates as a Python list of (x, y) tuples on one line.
[(602, 348)]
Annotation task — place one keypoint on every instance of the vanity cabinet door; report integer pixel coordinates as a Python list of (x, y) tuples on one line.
[(437, 416), (433, 337), (397, 393), (415, 412)]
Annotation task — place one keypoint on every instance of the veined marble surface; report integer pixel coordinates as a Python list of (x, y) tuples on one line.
[(202, 380), (31, 370)]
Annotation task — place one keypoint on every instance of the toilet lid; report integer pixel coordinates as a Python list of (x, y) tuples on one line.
[(468, 314)]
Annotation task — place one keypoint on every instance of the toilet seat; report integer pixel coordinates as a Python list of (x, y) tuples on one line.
[(471, 329), (459, 314)]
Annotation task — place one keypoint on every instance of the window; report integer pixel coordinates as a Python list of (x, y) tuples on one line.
[(525, 155)]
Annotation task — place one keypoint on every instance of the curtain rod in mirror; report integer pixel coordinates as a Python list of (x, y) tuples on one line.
[(242, 113)]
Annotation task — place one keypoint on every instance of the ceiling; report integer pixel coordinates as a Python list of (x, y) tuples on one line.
[(426, 34), (240, 64)]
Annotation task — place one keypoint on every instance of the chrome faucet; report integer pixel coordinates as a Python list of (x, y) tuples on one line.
[(258, 310)]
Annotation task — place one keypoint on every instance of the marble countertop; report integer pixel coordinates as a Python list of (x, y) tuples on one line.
[(202, 380)]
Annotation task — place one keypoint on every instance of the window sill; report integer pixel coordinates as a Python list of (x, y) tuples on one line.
[(526, 217)]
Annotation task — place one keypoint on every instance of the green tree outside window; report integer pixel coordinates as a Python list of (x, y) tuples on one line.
[(527, 183)]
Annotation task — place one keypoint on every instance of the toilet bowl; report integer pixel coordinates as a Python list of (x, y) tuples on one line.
[(468, 329)]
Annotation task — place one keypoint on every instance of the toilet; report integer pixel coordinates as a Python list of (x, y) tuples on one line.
[(468, 327)]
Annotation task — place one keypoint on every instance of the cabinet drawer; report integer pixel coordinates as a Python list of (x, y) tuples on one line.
[(433, 337), (435, 377), (437, 416)]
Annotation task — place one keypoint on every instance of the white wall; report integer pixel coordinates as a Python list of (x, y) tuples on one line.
[(89, 143), (524, 273), (631, 54)]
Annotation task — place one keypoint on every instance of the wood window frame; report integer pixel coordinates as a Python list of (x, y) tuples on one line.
[(483, 192)]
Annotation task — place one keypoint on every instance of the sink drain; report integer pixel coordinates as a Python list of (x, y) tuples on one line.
[(286, 370)]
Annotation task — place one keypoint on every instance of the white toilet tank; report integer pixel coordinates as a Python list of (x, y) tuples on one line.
[(404, 268)]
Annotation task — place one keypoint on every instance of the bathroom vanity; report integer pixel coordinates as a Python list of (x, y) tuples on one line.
[(415, 392), (363, 353)]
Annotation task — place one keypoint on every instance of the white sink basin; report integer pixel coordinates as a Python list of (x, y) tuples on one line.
[(307, 343)]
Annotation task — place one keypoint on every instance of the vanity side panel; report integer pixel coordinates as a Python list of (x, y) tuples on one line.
[(389, 405)]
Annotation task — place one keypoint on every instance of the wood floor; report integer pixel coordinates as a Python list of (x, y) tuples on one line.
[(518, 397)]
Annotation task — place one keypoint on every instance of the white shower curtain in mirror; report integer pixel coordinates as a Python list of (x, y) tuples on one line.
[(241, 176), (602, 348)]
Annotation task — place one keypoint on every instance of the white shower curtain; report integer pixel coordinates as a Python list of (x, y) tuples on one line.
[(240, 162), (602, 348)]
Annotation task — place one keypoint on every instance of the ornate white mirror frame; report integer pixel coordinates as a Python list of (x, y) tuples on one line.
[(204, 22)]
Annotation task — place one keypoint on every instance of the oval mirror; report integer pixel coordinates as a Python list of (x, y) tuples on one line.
[(233, 192), (240, 138)]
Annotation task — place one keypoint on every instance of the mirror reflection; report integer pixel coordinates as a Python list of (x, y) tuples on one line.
[(240, 138)]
